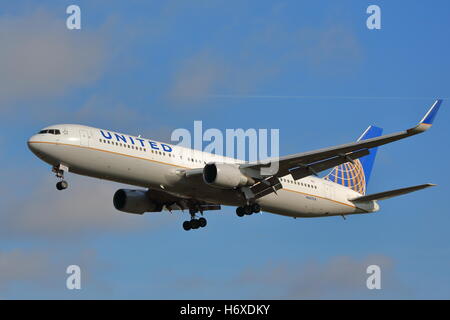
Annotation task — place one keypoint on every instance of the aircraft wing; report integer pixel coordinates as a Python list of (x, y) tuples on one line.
[(171, 202), (290, 163), (272, 183), (391, 193)]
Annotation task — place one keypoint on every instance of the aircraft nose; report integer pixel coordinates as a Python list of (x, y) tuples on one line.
[(33, 144)]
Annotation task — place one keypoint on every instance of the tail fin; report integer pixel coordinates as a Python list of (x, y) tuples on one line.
[(356, 175)]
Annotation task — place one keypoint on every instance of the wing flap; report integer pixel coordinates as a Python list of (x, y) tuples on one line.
[(304, 171), (265, 187)]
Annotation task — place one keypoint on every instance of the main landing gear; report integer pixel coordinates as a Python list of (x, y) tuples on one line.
[(248, 209), (194, 223), (59, 171)]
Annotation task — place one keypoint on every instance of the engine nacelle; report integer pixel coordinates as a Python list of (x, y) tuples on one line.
[(224, 175), (134, 201)]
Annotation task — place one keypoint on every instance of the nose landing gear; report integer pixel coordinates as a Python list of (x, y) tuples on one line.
[(59, 171)]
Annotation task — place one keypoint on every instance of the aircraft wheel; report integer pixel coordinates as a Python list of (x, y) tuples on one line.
[(187, 225), (202, 222), (240, 211), (61, 185), (195, 224), (248, 210), (256, 208)]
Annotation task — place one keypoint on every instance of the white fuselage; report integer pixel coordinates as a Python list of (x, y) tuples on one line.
[(147, 163)]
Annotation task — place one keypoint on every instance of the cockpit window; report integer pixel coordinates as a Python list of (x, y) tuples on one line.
[(51, 131)]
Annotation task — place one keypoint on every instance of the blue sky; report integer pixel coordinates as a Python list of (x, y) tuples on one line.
[(151, 67)]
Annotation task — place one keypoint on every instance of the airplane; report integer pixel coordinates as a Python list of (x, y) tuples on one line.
[(178, 178)]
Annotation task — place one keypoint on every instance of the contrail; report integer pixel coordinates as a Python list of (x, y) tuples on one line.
[(253, 96)]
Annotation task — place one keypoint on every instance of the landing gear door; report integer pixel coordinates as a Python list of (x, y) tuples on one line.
[(84, 138)]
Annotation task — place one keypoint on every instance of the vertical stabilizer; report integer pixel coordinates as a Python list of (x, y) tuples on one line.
[(356, 175)]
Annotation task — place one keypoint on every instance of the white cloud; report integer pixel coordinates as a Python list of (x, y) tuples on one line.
[(198, 76), (40, 57), (38, 273), (341, 277), (20, 266), (261, 56), (84, 209)]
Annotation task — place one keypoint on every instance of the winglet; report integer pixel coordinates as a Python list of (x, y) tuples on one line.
[(428, 119)]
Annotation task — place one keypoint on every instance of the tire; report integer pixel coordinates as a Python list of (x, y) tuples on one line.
[(61, 185), (240, 212), (187, 225), (248, 210), (256, 208), (195, 224), (202, 222), (64, 184)]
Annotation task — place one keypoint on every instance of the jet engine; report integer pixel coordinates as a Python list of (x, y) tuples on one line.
[(225, 176), (134, 201)]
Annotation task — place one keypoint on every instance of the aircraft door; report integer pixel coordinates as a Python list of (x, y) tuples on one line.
[(84, 138)]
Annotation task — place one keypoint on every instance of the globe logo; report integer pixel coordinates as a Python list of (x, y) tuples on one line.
[(349, 175)]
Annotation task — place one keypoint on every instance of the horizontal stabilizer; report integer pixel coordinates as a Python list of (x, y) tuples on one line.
[(392, 193)]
